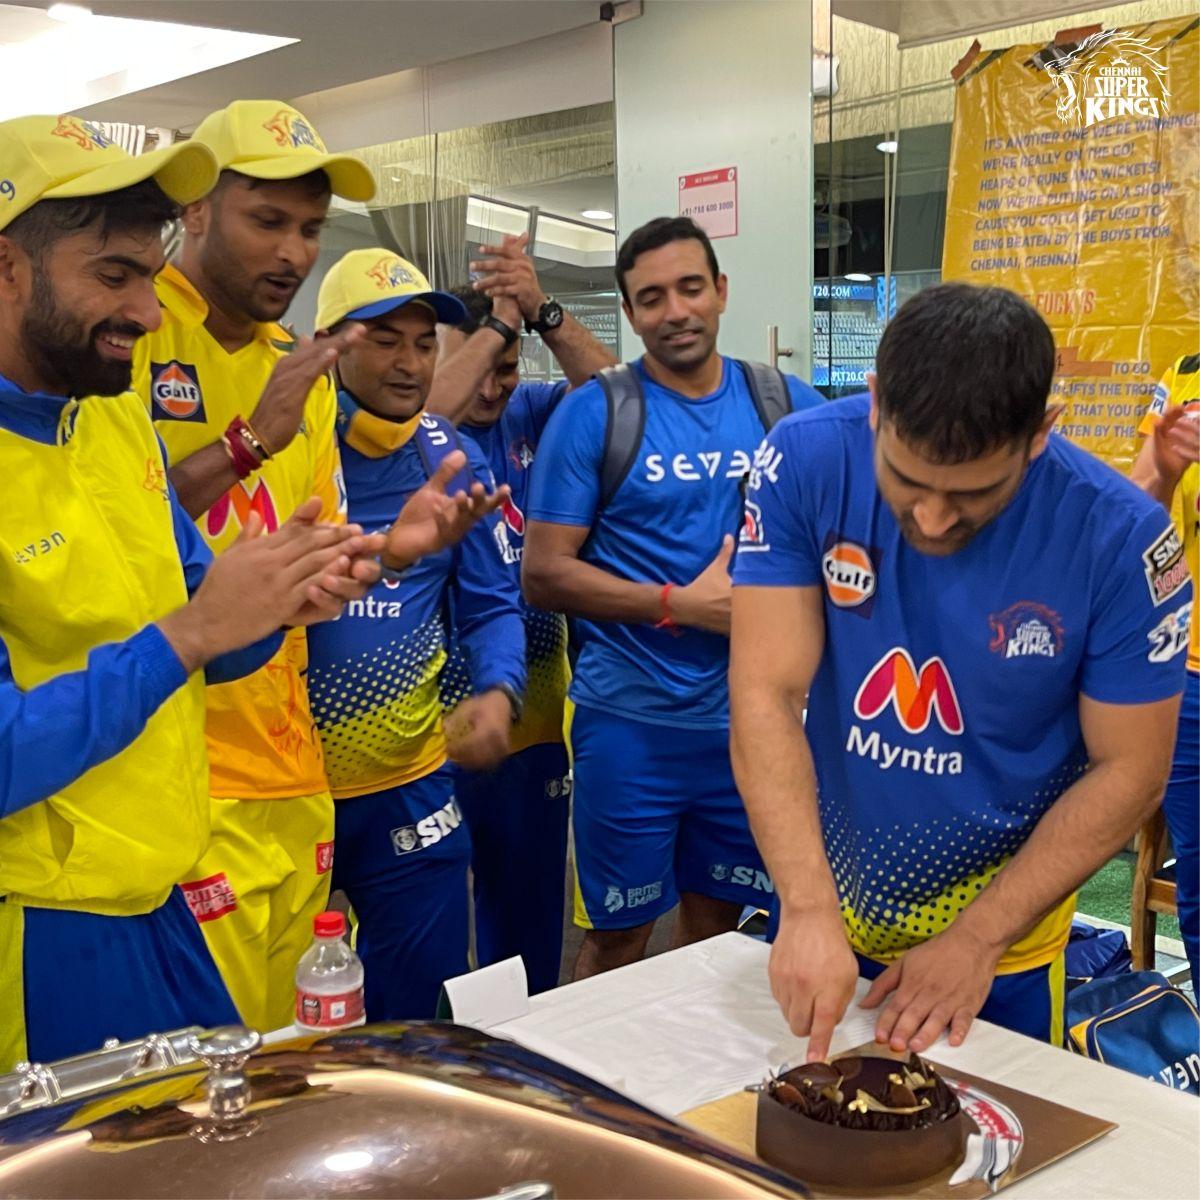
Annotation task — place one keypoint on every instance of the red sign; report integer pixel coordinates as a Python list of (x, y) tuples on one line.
[(710, 199)]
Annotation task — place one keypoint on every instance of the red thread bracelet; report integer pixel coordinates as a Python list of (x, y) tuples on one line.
[(240, 455), (667, 622)]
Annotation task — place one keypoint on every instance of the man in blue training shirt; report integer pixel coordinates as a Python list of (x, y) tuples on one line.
[(518, 813), (970, 606), (401, 851), (645, 571)]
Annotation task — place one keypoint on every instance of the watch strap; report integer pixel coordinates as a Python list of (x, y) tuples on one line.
[(507, 332)]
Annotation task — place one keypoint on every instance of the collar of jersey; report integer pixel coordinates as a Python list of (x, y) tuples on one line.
[(371, 436), (178, 295), (37, 416)]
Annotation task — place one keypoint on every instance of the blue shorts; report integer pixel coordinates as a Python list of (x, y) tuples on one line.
[(518, 819), (89, 977), (1028, 1002), (401, 858), (656, 813), (1182, 812)]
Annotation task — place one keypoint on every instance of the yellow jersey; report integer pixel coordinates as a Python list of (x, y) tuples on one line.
[(89, 560), (262, 741), (1180, 388)]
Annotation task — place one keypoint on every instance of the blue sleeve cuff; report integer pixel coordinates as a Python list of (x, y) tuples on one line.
[(164, 671)]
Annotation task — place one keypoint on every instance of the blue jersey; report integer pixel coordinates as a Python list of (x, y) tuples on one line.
[(373, 672), (944, 714), (509, 446), (664, 525)]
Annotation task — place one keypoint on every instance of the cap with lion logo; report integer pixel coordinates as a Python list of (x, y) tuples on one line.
[(369, 283), (65, 157), (267, 139)]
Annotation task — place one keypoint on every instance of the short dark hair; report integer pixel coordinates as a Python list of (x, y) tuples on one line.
[(962, 371), (315, 183), (142, 206), (661, 232), (478, 307)]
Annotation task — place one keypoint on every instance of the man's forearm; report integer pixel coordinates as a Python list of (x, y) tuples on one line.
[(779, 790), (566, 585), (578, 351), (457, 381), (1154, 483), (1080, 832), (201, 479)]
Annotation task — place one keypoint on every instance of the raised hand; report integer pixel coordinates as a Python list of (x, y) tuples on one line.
[(431, 520)]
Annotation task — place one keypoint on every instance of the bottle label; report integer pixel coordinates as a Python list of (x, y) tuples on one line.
[(329, 1012)]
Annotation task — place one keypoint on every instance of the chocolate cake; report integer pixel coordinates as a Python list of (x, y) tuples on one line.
[(861, 1121)]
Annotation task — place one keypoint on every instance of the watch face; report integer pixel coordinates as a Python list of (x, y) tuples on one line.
[(551, 315)]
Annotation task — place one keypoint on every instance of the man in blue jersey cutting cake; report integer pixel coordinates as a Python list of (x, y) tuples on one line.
[(635, 498), (967, 604)]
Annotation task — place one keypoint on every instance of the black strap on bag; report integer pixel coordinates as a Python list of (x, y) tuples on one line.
[(627, 416)]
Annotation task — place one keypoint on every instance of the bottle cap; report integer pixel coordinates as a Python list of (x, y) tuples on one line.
[(329, 924)]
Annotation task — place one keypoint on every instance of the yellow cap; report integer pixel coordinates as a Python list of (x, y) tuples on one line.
[(53, 158), (368, 283), (267, 139)]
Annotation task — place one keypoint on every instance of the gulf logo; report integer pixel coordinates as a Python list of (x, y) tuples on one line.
[(175, 392), (849, 574)]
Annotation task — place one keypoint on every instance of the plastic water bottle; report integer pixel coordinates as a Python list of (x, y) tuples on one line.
[(329, 979)]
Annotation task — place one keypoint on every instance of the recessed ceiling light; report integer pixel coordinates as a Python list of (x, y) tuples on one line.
[(888, 147), (596, 214), (858, 277), (68, 12)]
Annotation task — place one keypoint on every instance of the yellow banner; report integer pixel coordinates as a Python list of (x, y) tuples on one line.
[(1074, 181)]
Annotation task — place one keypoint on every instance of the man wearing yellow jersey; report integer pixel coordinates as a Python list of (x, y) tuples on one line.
[(109, 608), (1167, 469), (247, 431)]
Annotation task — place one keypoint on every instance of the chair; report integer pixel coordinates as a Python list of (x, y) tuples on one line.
[(1151, 895)]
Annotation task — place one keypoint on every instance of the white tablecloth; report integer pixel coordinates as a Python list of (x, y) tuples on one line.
[(696, 1024)]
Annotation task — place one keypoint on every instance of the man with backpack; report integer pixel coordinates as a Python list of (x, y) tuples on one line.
[(635, 500), (402, 849)]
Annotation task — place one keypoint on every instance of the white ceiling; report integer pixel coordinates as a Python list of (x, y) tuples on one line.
[(341, 41)]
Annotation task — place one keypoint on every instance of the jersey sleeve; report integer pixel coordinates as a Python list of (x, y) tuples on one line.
[(565, 484), (72, 719), (1135, 643), (486, 602), (803, 395), (1160, 401), (538, 402), (327, 479), (777, 546)]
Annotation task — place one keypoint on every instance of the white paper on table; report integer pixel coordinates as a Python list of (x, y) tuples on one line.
[(490, 995)]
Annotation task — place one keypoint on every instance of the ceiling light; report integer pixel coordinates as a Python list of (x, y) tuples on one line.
[(596, 214), (888, 147), (349, 1160), (68, 12), (858, 277)]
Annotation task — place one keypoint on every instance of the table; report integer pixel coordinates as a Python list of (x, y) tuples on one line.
[(695, 1024)]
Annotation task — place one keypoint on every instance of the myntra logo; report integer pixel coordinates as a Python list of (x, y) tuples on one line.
[(913, 694), (237, 504)]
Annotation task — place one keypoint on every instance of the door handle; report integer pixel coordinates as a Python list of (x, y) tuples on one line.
[(774, 350)]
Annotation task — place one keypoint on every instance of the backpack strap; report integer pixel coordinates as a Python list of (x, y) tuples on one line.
[(435, 438), (623, 432), (769, 391)]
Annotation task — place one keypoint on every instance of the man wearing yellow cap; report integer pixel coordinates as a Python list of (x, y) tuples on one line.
[(403, 850), (247, 431), (109, 608)]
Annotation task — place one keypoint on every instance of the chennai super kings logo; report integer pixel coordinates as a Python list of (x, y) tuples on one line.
[(1110, 74)]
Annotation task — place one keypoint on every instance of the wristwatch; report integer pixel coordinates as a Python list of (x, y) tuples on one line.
[(514, 699), (549, 317), (507, 332)]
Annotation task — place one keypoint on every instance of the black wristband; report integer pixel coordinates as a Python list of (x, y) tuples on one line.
[(507, 332)]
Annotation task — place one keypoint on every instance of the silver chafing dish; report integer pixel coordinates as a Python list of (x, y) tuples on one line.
[(410, 1110)]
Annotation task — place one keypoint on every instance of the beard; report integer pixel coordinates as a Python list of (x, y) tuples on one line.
[(236, 291), (64, 352)]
